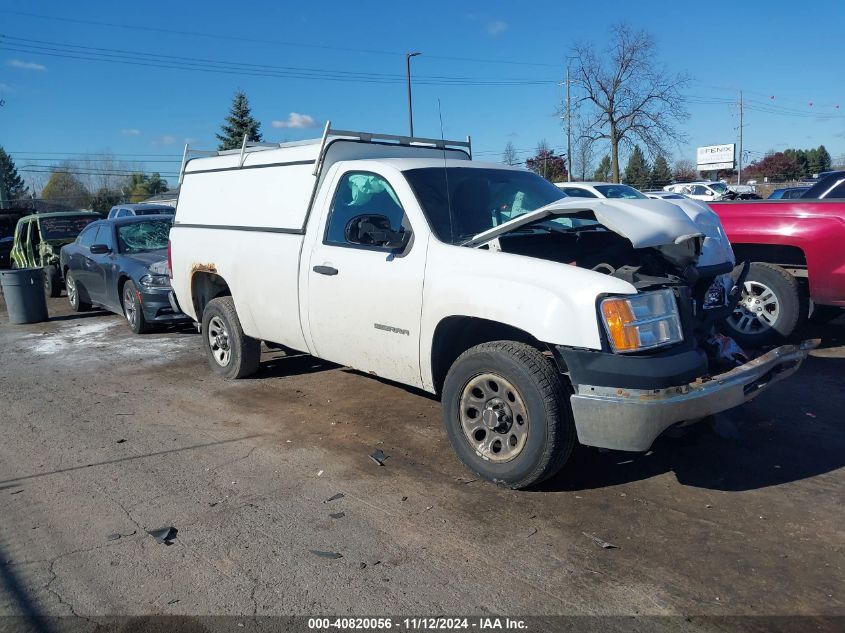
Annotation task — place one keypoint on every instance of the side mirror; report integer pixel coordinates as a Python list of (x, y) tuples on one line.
[(375, 230), (99, 249)]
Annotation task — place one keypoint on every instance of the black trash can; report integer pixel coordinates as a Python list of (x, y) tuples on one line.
[(23, 291)]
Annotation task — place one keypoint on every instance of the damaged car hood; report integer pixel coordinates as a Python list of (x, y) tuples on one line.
[(646, 223)]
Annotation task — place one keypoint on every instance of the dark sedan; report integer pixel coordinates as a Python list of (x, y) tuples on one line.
[(121, 265)]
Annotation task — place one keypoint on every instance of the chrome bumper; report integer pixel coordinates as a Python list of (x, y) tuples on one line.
[(631, 419)]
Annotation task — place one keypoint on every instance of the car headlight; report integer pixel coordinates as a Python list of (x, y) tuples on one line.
[(644, 321), (155, 281)]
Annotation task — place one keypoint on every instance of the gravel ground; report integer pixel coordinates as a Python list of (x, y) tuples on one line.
[(107, 435)]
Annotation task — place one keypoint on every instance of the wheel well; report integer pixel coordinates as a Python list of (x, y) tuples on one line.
[(786, 256), (455, 335), (206, 286)]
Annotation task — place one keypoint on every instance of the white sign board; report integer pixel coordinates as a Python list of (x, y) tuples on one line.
[(715, 157), (716, 166)]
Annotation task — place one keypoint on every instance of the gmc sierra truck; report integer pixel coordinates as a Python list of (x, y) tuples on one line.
[(539, 320)]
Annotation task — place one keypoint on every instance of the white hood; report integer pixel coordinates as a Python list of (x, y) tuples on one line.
[(646, 223)]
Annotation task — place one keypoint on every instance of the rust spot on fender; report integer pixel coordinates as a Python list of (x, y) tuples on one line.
[(203, 268)]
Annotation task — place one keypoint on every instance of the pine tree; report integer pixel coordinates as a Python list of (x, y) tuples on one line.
[(825, 161), (661, 174), (12, 186), (603, 171), (637, 171), (238, 124)]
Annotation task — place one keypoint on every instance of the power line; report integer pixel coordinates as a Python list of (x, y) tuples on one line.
[(252, 40)]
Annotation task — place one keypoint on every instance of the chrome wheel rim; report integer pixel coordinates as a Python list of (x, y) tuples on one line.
[(218, 341), (71, 290), (494, 418), (129, 305), (757, 311)]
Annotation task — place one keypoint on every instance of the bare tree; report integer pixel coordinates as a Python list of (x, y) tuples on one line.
[(630, 96), (583, 157), (509, 155), (684, 170)]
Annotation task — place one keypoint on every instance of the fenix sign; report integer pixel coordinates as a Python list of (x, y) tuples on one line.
[(715, 157)]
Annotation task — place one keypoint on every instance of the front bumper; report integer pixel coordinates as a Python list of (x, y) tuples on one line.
[(158, 307), (631, 419)]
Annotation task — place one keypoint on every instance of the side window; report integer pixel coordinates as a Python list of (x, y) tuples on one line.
[(34, 234), (361, 193), (104, 236), (86, 238), (838, 191), (122, 213), (578, 193)]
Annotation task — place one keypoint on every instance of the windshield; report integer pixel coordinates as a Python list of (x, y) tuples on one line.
[(718, 187), (619, 191), (479, 199), (65, 227), (139, 237)]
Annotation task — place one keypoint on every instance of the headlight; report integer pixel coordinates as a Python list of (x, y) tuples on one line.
[(643, 321), (155, 281)]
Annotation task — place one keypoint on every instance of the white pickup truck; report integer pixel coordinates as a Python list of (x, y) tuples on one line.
[(540, 320)]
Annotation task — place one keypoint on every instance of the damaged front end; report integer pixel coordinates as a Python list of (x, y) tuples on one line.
[(662, 360)]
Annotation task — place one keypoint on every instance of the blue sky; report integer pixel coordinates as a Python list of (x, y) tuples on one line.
[(781, 58)]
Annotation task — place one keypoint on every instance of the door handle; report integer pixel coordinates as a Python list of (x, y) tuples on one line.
[(325, 270)]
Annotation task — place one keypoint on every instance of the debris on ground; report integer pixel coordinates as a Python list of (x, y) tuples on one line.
[(339, 495), (403, 498), (531, 532), (164, 535), (600, 542), (17, 492), (427, 508), (322, 554), (464, 480), (117, 535), (379, 457), (174, 601), (362, 565), (337, 515), (319, 473), (120, 441)]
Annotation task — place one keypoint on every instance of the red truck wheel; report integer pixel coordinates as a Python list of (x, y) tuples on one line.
[(771, 309)]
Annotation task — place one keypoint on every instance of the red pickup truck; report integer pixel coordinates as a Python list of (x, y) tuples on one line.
[(797, 250)]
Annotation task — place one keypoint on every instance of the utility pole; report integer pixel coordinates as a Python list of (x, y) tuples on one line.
[(739, 164), (568, 129), (408, 57)]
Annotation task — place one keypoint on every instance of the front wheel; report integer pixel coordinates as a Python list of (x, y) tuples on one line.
[(132, 309), (771, 309), (230, 352), (52, 281), (507, 415)]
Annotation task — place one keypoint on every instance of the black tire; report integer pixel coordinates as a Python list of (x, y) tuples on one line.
[(551, 430), (792, 307), (229, 351), (132, 309), (52, 281), (74, 296)]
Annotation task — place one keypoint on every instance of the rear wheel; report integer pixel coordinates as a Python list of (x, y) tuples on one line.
[(73, 296), (52, 281), (771, 309), (507, 415), (132, 309), (230, 352)]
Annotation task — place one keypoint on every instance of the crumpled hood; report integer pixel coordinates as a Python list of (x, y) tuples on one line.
[(646, 223)]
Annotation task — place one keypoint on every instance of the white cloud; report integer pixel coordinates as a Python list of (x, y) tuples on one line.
[(496, 27), (296, 120), (16, 63), (130, 131), (189, 140), (164, 140)]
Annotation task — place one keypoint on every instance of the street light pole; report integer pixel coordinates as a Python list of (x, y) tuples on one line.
[(568, 128), (408, 57)]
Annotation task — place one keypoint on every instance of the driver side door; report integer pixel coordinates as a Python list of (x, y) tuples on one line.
[(364, 301)]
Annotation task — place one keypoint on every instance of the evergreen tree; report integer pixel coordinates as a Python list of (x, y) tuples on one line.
[(661, 174), (825, 162), (603, 171), (238, 124), (637, 171), (12, 186)]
